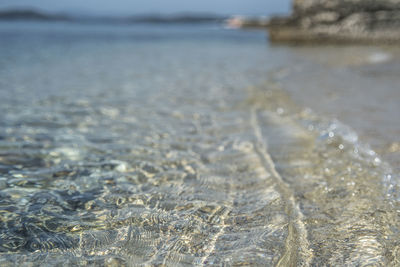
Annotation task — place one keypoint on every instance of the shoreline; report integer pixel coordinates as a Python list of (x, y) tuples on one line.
[(295, 35)]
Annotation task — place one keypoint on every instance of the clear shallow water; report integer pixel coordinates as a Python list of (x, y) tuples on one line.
[(155, 145)]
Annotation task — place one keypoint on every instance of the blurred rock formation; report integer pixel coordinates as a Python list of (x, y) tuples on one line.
[(354, 21)]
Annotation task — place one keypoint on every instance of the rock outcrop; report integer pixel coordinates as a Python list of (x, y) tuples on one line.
[(354, 21)]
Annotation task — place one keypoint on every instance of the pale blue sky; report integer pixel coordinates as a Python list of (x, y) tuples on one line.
[(125, 7)]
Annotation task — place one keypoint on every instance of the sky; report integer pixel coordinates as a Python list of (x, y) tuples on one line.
[(127, 7)]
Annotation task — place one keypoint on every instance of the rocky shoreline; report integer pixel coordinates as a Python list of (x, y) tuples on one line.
[(338, 21)]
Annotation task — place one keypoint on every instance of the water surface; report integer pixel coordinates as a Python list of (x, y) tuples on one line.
[(178, 146)]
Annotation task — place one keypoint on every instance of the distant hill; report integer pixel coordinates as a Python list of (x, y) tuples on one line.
[(32, 15), (180, 18)]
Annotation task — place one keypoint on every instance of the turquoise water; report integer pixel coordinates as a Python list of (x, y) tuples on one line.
[(178, 145)]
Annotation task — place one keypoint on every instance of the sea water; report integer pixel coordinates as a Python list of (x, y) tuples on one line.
[(182, 145)]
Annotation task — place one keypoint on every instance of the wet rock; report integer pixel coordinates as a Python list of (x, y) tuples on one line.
[(351, 21)]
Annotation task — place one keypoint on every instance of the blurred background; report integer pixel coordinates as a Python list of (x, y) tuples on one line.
[(125, 7)]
